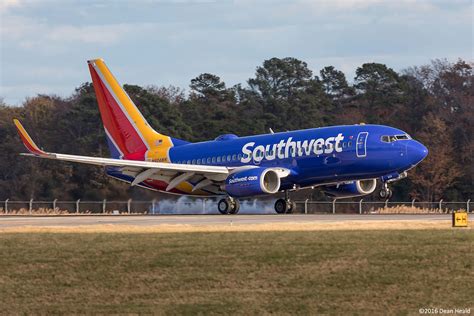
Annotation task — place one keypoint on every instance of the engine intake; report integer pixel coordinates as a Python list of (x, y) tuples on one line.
[(351, 189), (255, 181)]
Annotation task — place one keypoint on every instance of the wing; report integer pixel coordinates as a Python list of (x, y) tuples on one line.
[(202, 176)]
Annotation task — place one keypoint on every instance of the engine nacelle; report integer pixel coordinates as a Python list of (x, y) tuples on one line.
[(351, 189), (255, 181)]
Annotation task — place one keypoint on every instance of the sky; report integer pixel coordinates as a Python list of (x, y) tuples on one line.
[(44, 44)]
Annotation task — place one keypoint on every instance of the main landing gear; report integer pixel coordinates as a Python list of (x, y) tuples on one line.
[(228, 205), (285, 206), (385, 193)]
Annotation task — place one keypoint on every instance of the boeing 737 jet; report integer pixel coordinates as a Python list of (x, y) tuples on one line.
[(344, 161)]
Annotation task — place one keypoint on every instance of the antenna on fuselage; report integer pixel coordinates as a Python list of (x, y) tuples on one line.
[(271, 131)]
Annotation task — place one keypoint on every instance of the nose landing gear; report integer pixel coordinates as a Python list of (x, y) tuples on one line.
[(228, 205), (385, 193)]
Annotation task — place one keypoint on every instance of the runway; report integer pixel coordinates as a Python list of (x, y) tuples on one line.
[(208, 220)]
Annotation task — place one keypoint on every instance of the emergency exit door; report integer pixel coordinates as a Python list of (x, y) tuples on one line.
[(361, 145)]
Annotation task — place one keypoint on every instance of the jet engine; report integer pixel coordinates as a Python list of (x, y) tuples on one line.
[(254, 181), (351, 189)]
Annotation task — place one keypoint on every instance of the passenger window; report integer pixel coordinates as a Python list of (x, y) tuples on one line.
[(213, 159), (234, 157), (218, 158), (194, 161), (229, 158), (239, 156), (208, 160), (189, 162), (349, 144), (199, 161)]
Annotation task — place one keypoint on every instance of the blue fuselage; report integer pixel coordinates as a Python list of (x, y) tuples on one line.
[(314, 156)]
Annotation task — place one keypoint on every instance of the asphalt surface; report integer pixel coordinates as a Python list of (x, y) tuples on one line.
[(202, 220)]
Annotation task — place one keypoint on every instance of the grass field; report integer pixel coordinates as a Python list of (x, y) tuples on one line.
[(394, 271)]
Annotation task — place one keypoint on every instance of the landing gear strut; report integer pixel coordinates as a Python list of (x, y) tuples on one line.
[(228, 205), (385, 193), (285, 206)]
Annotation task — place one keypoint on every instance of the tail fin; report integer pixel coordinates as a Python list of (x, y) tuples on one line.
[(128, 133)]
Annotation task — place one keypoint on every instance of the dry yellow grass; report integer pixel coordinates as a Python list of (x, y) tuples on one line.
[(403, 209), (167, 228), (38, 211)]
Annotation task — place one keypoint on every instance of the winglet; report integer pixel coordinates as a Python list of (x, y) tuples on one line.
[(27, 140)]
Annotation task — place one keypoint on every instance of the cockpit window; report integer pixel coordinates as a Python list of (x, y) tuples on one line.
[(402, 137), (393, 138)]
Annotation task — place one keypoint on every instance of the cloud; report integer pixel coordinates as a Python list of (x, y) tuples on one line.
[(32, 33), (364, 4), (5, 5), (167, 42), (96, 34)]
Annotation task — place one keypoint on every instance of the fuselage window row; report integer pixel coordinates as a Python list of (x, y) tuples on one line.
[(271, 153)]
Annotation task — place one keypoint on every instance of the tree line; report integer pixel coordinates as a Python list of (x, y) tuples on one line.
[(433, 103)]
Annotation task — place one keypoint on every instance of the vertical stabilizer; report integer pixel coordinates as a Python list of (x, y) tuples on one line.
[(129, 135)]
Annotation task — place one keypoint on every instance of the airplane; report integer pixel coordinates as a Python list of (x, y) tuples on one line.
[(344, 161)]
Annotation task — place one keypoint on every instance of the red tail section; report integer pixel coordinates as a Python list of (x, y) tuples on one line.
[(129, 135)]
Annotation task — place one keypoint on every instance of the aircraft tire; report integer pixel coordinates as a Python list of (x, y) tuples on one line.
[(223, 206), (390, 193), (385, 194), (281, 206), (290, 207), (382, 193), (235, 206)]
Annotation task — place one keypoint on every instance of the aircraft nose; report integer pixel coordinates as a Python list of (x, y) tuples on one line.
[(416, 152)]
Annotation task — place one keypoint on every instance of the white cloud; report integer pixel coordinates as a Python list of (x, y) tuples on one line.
[(33, 33), (363, 4), (98, 34), (5, 5), (166, 42)]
